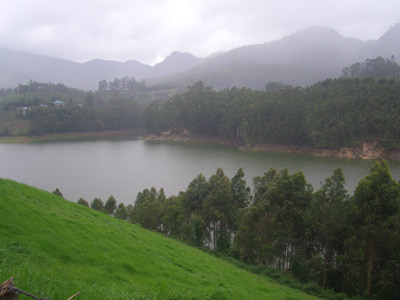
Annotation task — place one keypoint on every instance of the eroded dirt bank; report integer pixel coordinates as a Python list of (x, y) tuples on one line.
[(366, 150)]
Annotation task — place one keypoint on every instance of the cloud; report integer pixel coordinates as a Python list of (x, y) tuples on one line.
[(148, 30)]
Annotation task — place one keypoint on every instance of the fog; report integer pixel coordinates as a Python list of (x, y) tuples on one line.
[(150, 30)]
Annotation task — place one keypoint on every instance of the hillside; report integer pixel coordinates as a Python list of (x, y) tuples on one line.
[(302, 58), (59, 248)]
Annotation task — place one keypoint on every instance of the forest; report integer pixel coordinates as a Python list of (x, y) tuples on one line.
[(362, 105), (331, 113), (348, 244)]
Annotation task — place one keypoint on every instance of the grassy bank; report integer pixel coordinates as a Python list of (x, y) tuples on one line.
[(70, 136), (60, 248)]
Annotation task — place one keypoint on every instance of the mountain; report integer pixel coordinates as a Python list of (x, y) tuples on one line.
[(95, 70), (302, 58), (57, 247), (176, 62), (19, 67), (389, 43)]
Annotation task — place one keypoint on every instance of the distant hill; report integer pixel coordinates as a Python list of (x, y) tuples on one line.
[(302, 58), (307, 56), (174, 63), (57, 247), (19, 67)]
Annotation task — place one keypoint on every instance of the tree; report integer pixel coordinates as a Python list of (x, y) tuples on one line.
[(374, 205), (103, 86), (129, 209), (148, 209), (327, 222), (173, 215), (97, 204), (218, 210), (58, 193), (89, 99), (255, 238), (240, 192), (197, 230), (376, 68), (110, 206), (195, 194), (121, 212), (83, 202), (274, 86), (278, 218)]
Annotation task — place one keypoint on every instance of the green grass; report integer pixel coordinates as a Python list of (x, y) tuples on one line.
[(57, 247), (75, 136)]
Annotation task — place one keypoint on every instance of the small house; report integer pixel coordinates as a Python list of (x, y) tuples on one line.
[(58, 103)]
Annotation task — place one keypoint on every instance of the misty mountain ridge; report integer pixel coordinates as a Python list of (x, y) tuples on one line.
[(302, 58)]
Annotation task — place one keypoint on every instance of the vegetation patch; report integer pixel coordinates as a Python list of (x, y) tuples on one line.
[(60, 248)]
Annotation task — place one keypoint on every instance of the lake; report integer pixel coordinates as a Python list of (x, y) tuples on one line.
[(122, 168)]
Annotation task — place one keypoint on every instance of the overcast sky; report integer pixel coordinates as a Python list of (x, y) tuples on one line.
[(149, 30)]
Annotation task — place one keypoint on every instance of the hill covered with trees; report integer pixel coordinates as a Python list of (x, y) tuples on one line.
[(348, 244), (59, 248), (331, 113)]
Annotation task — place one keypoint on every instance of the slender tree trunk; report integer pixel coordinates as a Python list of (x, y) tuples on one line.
[(324, 280), (370, 266), (215, 237)]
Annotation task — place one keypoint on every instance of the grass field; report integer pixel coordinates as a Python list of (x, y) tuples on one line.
[(74, 136), (57, 247)]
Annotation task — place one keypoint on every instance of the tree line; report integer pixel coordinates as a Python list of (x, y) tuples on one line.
[(110, 208), (331, 113), (97, 115), (35, 93), (127, 84), (376, 68), (345, 243)]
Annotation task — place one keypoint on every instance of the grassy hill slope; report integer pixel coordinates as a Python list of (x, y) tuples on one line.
[(59, 248)]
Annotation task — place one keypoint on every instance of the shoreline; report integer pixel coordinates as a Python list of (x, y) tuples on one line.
[(367, 150), (69, 136)]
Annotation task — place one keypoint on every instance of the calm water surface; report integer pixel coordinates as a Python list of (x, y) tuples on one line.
[(90, 169)]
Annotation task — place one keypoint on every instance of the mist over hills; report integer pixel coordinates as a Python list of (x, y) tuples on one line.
[(302, 58)]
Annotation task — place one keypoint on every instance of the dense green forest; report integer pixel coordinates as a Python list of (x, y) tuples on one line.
[(364, 104), (35, 93), (115, 114), (376, 68), (331, 113), (335, 112), (348, 244), (118, 104)]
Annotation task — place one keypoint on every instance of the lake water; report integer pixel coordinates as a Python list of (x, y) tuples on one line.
[(122, 168)]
